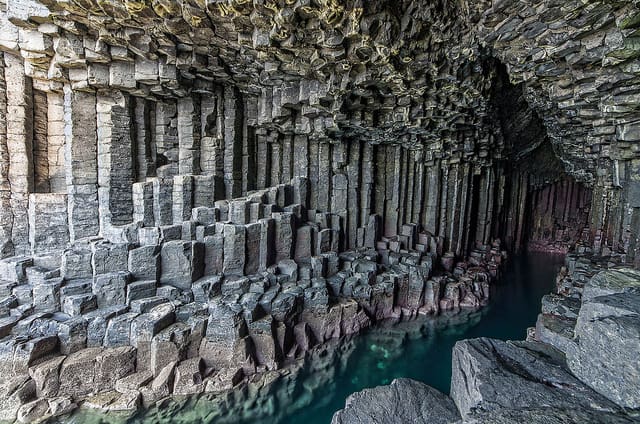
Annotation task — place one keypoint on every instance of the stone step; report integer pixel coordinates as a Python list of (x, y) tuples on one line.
[(76, 287), (562, 306), (78, 304), (14, 268), (36, 274), (555, 330)]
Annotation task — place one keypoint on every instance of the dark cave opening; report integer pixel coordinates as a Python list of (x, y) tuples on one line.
[(547, 209)]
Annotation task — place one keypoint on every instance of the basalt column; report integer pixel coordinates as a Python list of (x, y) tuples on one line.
[(19, 120), (116, 159), (6, 217), (81, 158)]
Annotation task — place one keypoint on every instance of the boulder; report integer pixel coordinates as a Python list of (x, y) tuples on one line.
[(15, 392), (605, 355), (160, 387), (46, 376), (133, 382), (402, 401), (77, 373), (542, 415), (492, 374), (182, 263), (33, 411), (113, 364), (188, 377), (110, 289)]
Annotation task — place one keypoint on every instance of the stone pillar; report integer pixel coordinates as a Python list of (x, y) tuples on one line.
[(6, 216), (166, 135), (56, 142), (249, 160), (40, 143), (209, 140), (144, 115), (81, 163), (233, 113), (48, 222), (189, 128), (115, 159), (20, 148)]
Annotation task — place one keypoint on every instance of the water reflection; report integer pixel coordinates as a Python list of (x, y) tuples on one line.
[(311, 390)]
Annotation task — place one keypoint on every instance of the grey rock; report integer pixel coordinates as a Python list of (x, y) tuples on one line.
[(403, 401), (491, 374), (144, 263), (140, 290), (182, 263), (45, 375), (133, 382), (547, 416), (608, 337), (15, 392), (110, 289)]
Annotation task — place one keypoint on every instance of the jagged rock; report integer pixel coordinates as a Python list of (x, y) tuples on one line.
[(15, 392), (133, 382), (491, 375), (110, 288), (547, 416), (188, 377), (182, 263), (225, 379), (403, 401), (556, 331), (77, 373), (26, 353), (45, 375), (607, 333), (112, 365), (160, 387), (33, 411), (61, 406)]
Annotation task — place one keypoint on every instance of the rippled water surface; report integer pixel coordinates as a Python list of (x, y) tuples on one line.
[(419, 349)]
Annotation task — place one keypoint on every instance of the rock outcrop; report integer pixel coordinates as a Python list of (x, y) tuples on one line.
[(590, 377), (403, 401)]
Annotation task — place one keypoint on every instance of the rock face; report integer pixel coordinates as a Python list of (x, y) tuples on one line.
[(491, 375), (609, 321), (403, 401), (217, 187)]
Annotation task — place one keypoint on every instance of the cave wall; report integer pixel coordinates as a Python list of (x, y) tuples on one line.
[(393, 99), (207, 190)]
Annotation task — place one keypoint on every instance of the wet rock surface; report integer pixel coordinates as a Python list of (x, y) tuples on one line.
[(403, 401)]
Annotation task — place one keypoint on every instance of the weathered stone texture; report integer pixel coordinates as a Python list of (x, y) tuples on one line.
[(225, 185)]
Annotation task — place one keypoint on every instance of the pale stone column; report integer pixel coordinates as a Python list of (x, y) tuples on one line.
[(81, 163), (144, 112), (20, 147), (56, 142), (233, 113), (115, 159), (6, 216), (189, 128)]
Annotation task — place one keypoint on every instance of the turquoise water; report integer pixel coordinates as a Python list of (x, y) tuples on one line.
[(319, 386)]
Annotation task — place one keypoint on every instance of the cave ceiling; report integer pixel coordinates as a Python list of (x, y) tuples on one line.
[(418, 73)]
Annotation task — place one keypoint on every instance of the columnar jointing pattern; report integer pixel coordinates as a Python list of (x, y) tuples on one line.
[(195, 192)]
